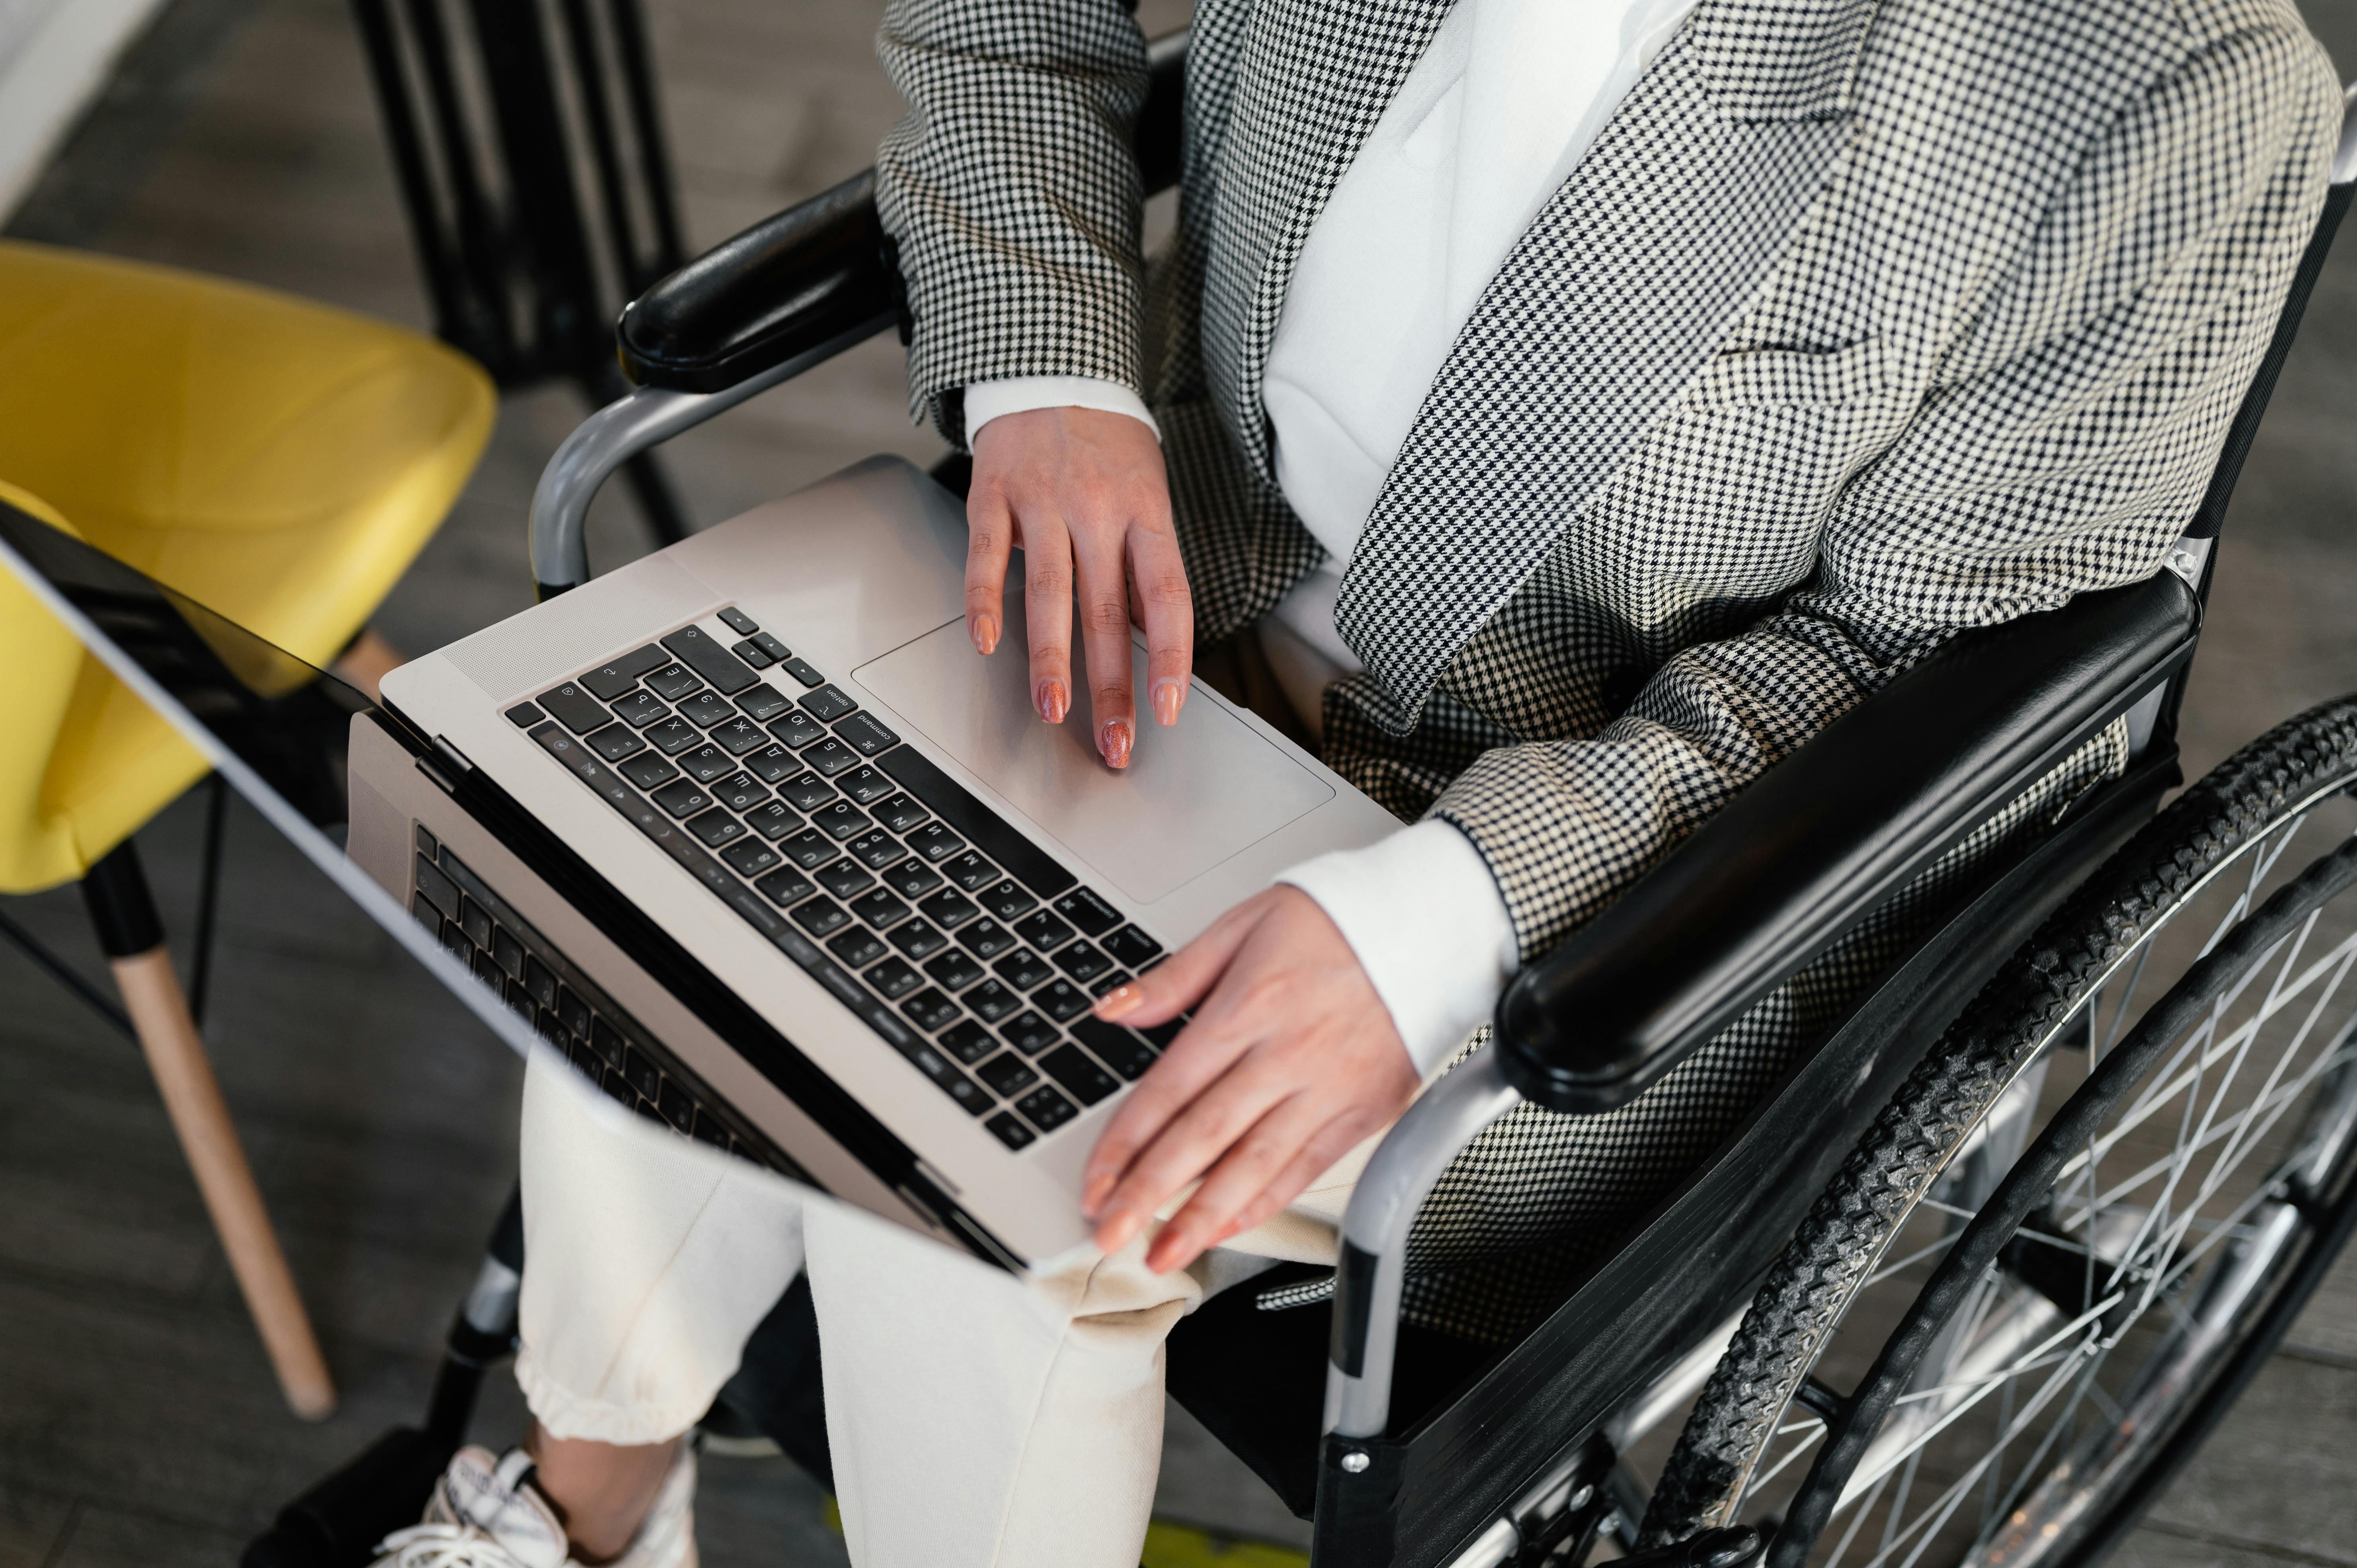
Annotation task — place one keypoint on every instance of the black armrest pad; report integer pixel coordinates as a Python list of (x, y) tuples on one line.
[(789, 285), (815, 278), (1826, 835)]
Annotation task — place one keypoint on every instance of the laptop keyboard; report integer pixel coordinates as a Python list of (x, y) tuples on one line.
[(945, 929), (569, 1012)]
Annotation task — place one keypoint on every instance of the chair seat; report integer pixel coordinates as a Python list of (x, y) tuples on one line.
[(277, 461)]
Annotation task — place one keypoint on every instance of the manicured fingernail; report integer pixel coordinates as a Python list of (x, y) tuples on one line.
[(1054, 701), (1117, 1229), (1120, 1002), (985, 635), (1092, 1195), (1113, 742), (1167, 695), (1164, 1255)]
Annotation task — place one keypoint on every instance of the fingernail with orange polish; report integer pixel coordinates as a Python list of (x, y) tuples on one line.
[(1120, 1002), (985, 635), (1167, 695), (1115, 743), (1054, 701), (1092, 1195)]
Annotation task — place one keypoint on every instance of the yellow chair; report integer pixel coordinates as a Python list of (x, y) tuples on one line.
[(274, 460)]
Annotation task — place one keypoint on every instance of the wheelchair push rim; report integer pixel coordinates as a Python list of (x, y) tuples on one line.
[(2026, 1351)]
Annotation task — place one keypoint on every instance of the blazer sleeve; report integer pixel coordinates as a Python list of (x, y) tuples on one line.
[(1011, 192), (2064, 444)]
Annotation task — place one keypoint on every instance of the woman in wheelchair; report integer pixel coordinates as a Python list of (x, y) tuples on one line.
[(1575, 410)]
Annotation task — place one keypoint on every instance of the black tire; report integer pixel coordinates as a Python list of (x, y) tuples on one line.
[(2140, 914)]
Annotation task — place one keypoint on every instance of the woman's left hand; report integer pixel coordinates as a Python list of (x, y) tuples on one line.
[(1290, 1060)]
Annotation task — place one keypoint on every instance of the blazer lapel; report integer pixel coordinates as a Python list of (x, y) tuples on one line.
[(1315, 76), (1621, 288)]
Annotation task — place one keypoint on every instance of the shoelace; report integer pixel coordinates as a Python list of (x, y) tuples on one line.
[(443, 1546)]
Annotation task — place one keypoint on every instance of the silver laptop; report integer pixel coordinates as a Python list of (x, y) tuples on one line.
[(747, 830)]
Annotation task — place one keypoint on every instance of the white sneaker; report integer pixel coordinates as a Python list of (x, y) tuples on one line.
[(487, 1514)]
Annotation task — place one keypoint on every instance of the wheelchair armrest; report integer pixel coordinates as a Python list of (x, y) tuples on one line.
[(1818, 841), (817, 277)]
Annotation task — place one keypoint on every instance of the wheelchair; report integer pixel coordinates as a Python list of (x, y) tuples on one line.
[(1968, 1284)]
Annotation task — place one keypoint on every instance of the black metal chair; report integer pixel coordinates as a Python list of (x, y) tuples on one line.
[(1910, 1196), (490, 117)]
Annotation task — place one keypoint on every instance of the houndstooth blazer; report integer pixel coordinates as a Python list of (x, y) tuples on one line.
[(1862, 322)]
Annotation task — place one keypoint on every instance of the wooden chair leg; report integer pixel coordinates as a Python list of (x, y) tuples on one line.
[(132, 937)]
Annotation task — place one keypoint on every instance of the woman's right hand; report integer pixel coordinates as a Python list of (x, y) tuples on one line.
[(1082, 493)]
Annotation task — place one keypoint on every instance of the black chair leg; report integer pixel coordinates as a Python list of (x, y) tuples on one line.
[(201, 968)]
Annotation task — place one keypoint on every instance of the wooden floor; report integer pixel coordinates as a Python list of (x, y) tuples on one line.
[(138, 1424)]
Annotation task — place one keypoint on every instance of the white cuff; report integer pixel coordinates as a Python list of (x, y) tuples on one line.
[(986, 401), (1424, 916)]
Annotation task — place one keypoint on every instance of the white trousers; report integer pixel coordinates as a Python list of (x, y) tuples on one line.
[(974, 1419)]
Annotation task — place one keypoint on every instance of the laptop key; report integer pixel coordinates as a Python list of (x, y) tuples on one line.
[(715, 827), (763, 701), (706, 763), (826, 704), (950, 909), (846, 879), (969, 1042), (839, 820), (611, 680), (830, 756), (1086, 909), (1102, 983), (1079, 1073), (750, 907), (616, 741), (991, 1002), (442, 893), (681, 797), (1043, 931), (674, 680), (1029, 1034), (809, 849), (802, 672), (879, 910), (1133, 947), (955, 1084), (1009, 1130), (576, 709), (523, 715), (778, 652), (638, 709), (911, 878), (797, 729), (1007, 900), (706, 709), (737, 621), (672, 736), (969, 870), (935, 843), (930, 1011), (821, 917), (786, 887), (894, 978), (806, 791), (740, 791), (1007, 1074), (864, 735), (772, 763), (751, 857), (858, 948), (752, 653), (1024, 969), (987, 939), (1046, 1109), (874, 850), (1116, 1046), (899, 813), (704, 654), (955, 969), (772, 820), (1061, 1000), (866, 786), (740, 735), (1083, 963), (919, 938)]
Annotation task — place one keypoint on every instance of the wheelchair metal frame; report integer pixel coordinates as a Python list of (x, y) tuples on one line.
[(1521, 1452)]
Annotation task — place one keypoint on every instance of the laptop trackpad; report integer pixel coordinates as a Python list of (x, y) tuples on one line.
[(1192, 795)]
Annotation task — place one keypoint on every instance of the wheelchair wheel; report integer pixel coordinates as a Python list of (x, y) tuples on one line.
[(2082, 1223)]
